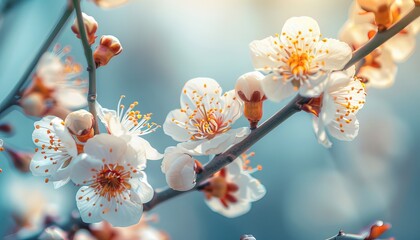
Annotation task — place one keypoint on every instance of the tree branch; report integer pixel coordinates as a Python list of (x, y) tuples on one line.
[(91, 64), (291, 108), (14, 94)]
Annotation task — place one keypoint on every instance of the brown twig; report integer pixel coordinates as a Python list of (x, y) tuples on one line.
[(91, 64)]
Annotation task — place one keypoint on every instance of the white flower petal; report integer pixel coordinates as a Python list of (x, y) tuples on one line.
[(254, 189), (264, 54), (106, 147), (216, 145), (382, 76), (142, 187), (180, 175), (401, 46), (90, 210), (85, 169), (320, 132), (199, 87), (232, 107), (148, 151), (70, 98), (276, 89), (304, 27), (348, 131), (332, 54), (126, 214), (175, 125), (234, 210), (40, 166)]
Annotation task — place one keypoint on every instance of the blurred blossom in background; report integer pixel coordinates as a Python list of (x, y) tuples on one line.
[(312, 192)]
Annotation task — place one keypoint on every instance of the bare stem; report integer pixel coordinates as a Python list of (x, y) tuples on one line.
[(14, 94), (293, 107), (91, 64)]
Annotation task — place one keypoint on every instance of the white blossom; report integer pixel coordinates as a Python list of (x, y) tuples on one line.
[(114, 187), (203, 124), (335, 110), (297, 59), (130, 123), (231, 191)]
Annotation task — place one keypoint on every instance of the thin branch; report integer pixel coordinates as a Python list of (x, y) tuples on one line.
[(291, 108), (14, 95), (91, 64)]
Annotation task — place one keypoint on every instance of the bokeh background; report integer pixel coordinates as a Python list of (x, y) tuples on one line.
[(312, 192)]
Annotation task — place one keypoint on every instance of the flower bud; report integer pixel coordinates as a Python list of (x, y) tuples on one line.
[(248, 88), (21, 160), (33, 104), (90, 25), (109, 3), (109, 47), (6, 128), (80, 124), (381, 9)]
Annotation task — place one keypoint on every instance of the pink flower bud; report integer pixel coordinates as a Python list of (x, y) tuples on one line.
[(90, 25), (33, 104), (109, 3), (248, 88), (109, 47), (80, 124)]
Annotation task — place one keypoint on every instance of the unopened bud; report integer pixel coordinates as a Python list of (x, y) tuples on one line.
[(381, 9), (248, 88), (90, 25), (6, 128), (80, 124), (21, 160), (109, 47), (109, 3), (33, 104)]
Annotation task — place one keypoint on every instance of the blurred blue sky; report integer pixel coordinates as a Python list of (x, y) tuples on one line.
[(312, 192)]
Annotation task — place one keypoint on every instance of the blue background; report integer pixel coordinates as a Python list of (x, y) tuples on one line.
[(312, 192)]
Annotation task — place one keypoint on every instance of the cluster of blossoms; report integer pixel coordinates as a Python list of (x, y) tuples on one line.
[(379, 68), (299, 60), (108, 166), (56, 87)]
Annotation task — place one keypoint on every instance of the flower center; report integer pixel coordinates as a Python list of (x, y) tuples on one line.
[(314, 106), (298, 64), (218, 187), (209, 125), (111, 181)]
